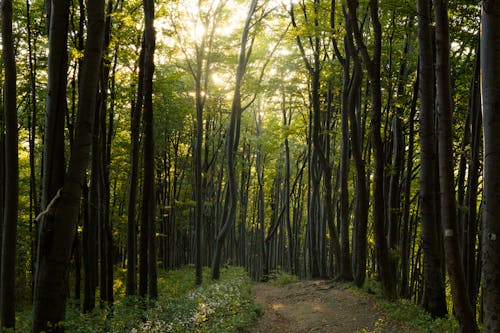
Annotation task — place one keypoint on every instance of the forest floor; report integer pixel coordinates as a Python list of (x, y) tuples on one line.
[(318, 306)]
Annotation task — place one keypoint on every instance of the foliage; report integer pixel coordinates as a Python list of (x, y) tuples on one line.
[(279, 278), (222, 306), (405, 311)]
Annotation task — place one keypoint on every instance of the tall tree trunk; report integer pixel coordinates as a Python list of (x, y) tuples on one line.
[(2, 170), (362, 194), (471, 256), (454, 265), (261, 206), (373, 67), (406, 228), (345, 265), (434, 297), (135, 124), (53, 165), (232, 142), (8, 262), (148, 198), (350, 94), (59, 218), (490, 88), (104, 234), (32, 124)]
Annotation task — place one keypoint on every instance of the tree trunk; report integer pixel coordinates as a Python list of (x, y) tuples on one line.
[(470, 248), (59, 218), (406, 229), (434, 298), (454, 265), (232, 142), (373, 67), (135, 116), (490, 88), (8, 261), (53, 164), (32, 124), (149, 200)]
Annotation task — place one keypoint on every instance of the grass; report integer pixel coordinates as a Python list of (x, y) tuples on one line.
[(223, 306), (409, 314), (280, 278)]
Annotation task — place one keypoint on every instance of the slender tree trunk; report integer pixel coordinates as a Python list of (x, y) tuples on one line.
[(148, 198), (232, 142), (405, 232), (32, 124), (136, 111), (261, 206), (103, 189), (454, 265), (61, 215), (490, 88), (8, 261), (2, 170)]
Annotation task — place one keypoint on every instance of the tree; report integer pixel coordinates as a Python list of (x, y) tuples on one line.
[(148, 193), (373, 67), (490, 89), (232, 138), (56, 107), (434, 297), (59, 218), (463, 310), (135, 123), (8, 262)]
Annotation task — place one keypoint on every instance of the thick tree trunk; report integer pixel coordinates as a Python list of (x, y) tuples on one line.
[(434, 297), (454, 265), (490, 88), (373, 66), (362, 195), (8, 244), (58, 220), (53, 165)]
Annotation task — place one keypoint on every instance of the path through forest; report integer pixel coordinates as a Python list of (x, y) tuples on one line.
[(317, 306)]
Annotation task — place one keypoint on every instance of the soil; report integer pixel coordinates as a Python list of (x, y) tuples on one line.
[(318, 306)]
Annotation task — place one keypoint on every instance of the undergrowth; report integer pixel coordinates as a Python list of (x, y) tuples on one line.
[(279, 278), (222, 306), (408, 313)]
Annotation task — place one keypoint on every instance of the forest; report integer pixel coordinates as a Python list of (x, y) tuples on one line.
[(150, 146)]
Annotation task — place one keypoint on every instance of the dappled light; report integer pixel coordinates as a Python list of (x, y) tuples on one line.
[(249, 166)]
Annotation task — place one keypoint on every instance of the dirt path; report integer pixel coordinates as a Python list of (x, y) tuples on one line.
[(317, 306)]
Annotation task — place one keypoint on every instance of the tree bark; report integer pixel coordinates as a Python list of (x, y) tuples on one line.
[(53, 164), (148, 198), (232, 142), (373, 67), (11, 203), (135, 124), (434, 297), (490, 88), (454, 265), (59, 218)]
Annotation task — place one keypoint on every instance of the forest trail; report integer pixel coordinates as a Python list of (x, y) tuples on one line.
[(317, 306)]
